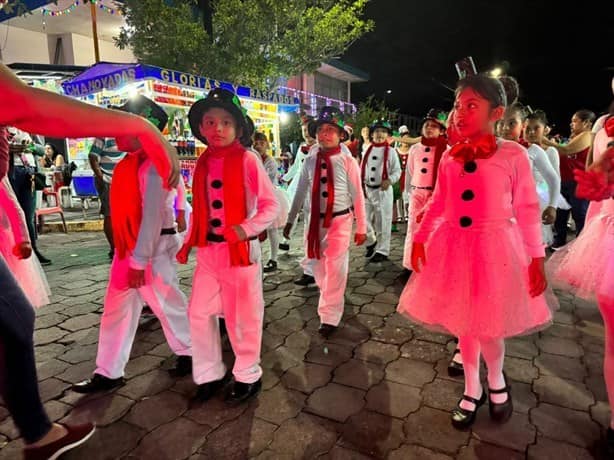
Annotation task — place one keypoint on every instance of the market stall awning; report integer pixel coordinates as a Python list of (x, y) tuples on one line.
[(112, 76)]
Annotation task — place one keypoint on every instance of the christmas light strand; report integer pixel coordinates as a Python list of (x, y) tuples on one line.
[(73, 7)]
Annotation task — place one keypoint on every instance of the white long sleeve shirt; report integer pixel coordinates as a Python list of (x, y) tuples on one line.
[(348, 190), (375, 166), (544, 172)]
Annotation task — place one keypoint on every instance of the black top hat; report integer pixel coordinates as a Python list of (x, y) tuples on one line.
[(380, 123), (146, 108), (328, 115), (223, 99), (438, 116)]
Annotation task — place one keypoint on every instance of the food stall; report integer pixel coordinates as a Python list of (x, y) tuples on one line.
[(111, 84)]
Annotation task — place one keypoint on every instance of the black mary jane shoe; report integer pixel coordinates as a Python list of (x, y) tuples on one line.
[(455, 369), (270, 266), (97, 384), (183, 367), (462, 418), (326, 330), (609, 444), (240, 392), (370, 250), (501, 412), (305, 280), (208, 390)]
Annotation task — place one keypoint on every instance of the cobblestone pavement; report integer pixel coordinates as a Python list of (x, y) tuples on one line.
[(380, 389)]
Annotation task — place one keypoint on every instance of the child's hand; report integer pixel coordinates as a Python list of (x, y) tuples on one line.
[(385, 184), (182, 254), (287, 230), (418, 257), (537, 277), (181, 224), (549, 215), (22, 250), (360, 238), (136, 278), (234, 234), (419, 217)]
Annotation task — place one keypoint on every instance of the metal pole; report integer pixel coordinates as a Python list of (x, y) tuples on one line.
[(95, 31)]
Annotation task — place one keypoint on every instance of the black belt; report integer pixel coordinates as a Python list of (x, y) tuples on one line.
[(168, 231), (413, 187), (338, 213), (220, 238), (372, 186)]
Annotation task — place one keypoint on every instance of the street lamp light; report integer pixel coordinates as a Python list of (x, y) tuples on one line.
[(496, 72)]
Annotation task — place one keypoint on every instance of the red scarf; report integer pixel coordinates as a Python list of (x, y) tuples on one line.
[(524, 143), (609, 126), (366, 159), (4, 152), (126, 204), (483, 148), (441, 144), (235, 208), (313, 235)]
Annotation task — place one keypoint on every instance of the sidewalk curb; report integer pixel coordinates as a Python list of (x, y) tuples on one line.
[(74, 226)]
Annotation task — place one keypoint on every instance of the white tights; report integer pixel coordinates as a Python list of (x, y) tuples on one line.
[(606, 307), (273, 236), (493, 351)]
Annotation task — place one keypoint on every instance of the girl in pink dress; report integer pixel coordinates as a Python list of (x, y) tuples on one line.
[(587, 265), (481, 277)]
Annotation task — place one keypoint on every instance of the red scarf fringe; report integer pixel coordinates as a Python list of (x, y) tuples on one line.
[(126, 204)]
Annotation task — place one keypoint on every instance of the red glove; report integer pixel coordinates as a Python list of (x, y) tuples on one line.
[(262, 237), (360, 238), (418, 257), (183, 253), (537, 277), (419, 217)]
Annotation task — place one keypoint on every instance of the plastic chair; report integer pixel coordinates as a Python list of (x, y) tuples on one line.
[(55, 209)]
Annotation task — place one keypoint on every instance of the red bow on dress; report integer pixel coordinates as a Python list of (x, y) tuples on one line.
[(609, 126), (484, 147)]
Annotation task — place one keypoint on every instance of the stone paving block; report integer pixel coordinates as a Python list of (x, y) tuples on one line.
[(565, 425), (521, 348), (516, 434), (561, 392), (215, 412), (441, 368), (140, 348), (523, 397), (328, 354), (78, 354), (359, 374), (157, 410), (52, 388), (521, 370), (562, 317), (142, 365), (285, 326), (600, 413), (306, 436), (592, 344), (46, 352), (264, 455), (407, 452), (596, 385), (350, 334), (442, 394), (279, 404), (307, 377), (307, 312), (392, 335), (108, 443), (8, 429), (547, 448), (387, 297), (371, 322), (561, 366), (336, 402), (173, 441), (46, 321), (299, 339), (378, 309), (342, 453), (428, 336), (593, 363), (477, 450), (50, 368), (370, 288), (372, 433), (49, 335), (393, 399), (103, 411), (148, 384), (82, 337), (377, 352), (162, 350), (12, 450), (431, 428), (410, 372), (559, 346), (78, 323), (423, 351), (564, 331), (280, 359), (397, 320), (360, 299), (56, 410)]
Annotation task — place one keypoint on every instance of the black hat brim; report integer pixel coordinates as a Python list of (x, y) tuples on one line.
[(199, 108), (374, 127), (139, 104), (444, 127), (312, 129)]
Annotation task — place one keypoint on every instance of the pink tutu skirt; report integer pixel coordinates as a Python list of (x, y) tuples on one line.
[(475, 282), (586, 265)]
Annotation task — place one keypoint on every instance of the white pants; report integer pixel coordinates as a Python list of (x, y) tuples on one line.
[(273, 236), (378, 204), (123, 305), (235, 293), (331, 270), (306, 262)]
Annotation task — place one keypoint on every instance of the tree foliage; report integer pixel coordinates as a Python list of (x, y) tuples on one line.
[(368, 111), (253, 42)]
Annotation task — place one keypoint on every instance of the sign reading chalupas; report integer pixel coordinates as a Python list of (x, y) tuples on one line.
[(80, 87)]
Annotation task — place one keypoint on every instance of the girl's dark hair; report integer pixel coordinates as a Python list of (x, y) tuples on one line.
[(586, 115), (517, 107), (498, 91), (540, 116), (258, 136)]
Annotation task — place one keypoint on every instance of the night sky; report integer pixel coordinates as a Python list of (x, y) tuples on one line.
[(562, 58)]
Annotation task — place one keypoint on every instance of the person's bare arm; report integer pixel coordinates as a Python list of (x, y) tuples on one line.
[(574, 146), (43, 112)]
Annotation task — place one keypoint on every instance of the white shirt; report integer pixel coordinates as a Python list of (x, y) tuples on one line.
[(544, 172), (348, 190), (375, 166)]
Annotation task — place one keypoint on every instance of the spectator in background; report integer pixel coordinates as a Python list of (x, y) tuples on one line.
[(104, 156), (51, 158)]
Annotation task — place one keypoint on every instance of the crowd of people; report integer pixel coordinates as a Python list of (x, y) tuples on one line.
[(483, 192)]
